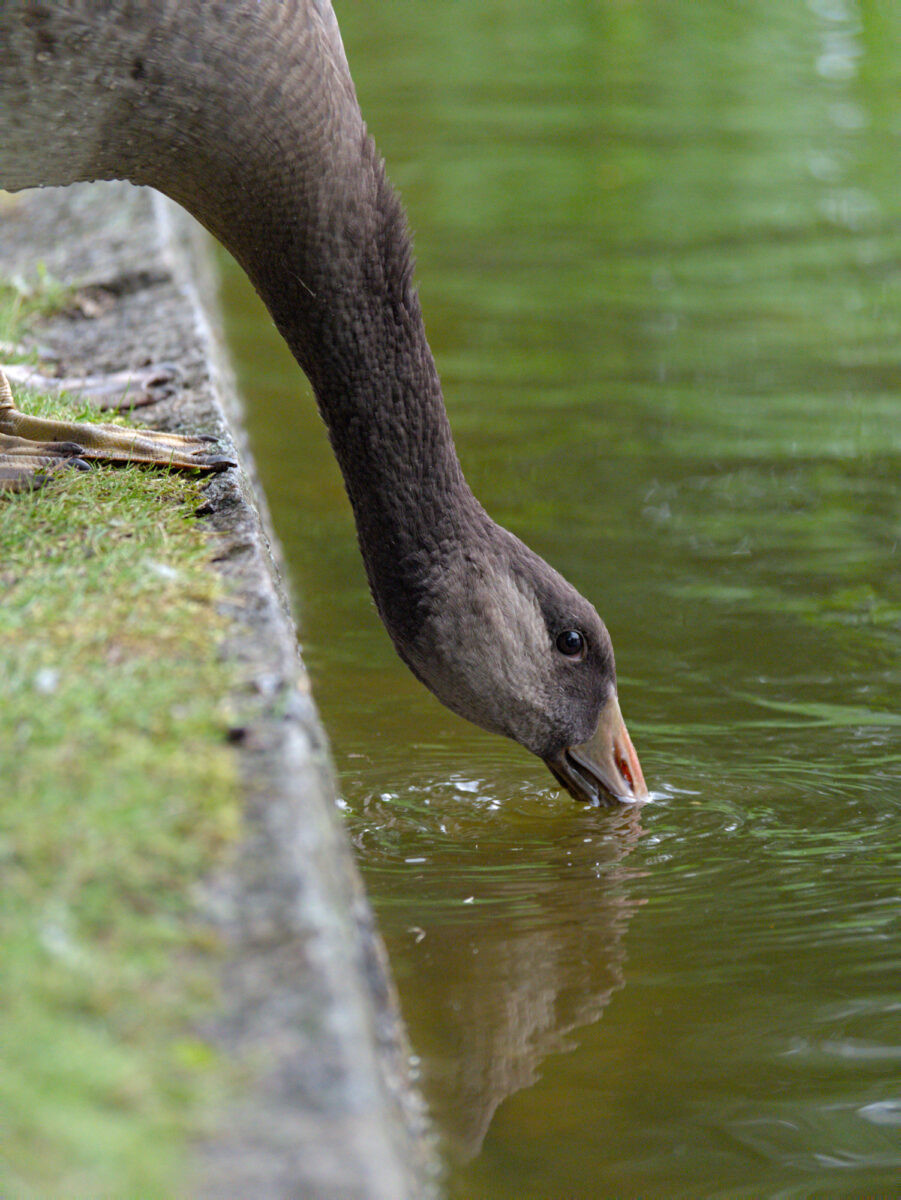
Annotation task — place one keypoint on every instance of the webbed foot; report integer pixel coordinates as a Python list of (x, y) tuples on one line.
[(110, 392), (30, 447)]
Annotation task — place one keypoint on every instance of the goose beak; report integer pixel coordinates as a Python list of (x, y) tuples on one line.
[(604, 769)]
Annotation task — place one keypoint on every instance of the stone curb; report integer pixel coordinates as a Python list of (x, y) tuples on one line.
[(327, 1108)]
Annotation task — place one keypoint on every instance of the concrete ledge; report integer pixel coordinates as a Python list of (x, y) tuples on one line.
[(328, 1109)]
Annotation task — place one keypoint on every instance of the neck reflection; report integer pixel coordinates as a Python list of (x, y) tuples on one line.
[(508, 928)]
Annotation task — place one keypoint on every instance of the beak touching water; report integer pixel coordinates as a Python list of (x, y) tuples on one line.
[(606, 767)]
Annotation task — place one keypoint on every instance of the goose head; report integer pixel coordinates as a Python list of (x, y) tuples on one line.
[(505, 641)]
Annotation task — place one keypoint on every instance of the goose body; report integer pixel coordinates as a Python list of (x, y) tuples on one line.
[(244, 112)]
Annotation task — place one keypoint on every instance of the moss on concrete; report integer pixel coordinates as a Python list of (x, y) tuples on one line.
[(119, 797)]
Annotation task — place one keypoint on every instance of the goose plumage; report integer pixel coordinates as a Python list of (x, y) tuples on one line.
[(245, 113)]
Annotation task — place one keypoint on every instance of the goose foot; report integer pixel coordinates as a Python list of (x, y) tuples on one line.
[(26, 465), (117, 390), (32, 448)]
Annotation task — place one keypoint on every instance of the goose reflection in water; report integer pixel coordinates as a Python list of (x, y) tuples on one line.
[(518, 940)]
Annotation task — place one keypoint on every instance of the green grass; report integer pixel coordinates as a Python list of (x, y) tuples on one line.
[(22, 302), (118, 796)]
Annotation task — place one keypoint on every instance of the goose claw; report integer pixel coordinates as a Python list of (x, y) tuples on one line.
[(32, 445)]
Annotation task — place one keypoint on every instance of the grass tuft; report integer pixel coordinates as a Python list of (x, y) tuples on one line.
[(23, 302)]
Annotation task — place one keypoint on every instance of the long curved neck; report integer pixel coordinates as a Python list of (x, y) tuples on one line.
[(247, 116), (341, 293), (336, 274)]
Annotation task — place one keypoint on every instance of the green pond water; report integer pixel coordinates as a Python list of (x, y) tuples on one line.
[(659, 253)]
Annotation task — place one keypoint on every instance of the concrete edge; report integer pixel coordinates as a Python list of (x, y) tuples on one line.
[(299, 909), (327, 1107)]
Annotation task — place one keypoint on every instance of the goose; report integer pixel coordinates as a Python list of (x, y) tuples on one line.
[(245, 114)]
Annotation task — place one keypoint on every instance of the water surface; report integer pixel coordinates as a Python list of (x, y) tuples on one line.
[(660, 258)]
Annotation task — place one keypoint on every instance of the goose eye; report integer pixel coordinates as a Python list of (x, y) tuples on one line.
[(570, 643)]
